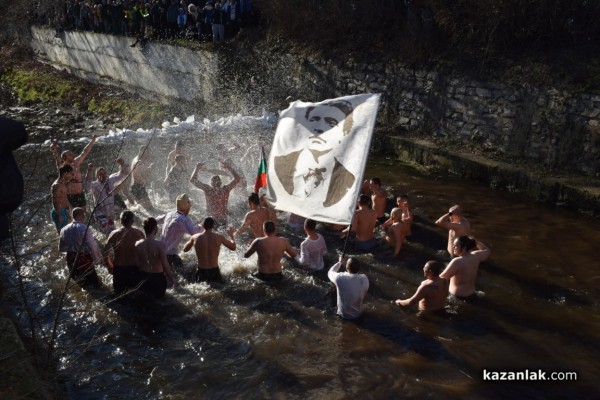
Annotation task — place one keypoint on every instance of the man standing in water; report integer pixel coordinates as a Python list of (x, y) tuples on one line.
[(152, 262), (351, 288), (171, 158), (140, 174), (175, 225), (208, 246), (394, 234), (217, 196), (123, 264), (363, 223), (378, 199), (432, 292), (59, 193), (270, 249), (254, 219), (456, 224), (462, 270), (77, 240), (76, 195), (312, 249)]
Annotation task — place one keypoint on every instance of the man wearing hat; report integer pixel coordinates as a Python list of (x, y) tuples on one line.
[(175, 225)]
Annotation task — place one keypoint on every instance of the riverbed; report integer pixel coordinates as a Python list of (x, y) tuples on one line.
[(538, 297)]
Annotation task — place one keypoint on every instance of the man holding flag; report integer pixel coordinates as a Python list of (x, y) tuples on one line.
[(318, 157)]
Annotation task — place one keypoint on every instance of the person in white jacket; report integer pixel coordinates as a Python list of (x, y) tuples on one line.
[(351, 288)]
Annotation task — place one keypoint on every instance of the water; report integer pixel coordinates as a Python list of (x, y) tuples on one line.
[(247, 339)]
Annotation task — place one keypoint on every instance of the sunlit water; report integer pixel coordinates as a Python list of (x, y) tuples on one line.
[(539, 303)]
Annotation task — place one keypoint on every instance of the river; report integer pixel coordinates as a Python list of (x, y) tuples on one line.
[(538, 308)]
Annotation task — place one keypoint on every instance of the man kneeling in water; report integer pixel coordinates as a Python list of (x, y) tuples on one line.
[(152, 262), (208, 245), (270, 249), (432, 292)]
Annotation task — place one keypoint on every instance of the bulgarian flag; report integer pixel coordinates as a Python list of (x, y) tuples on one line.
[(261, 175)]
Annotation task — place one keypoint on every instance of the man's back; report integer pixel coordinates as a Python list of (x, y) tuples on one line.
[(365, 220), (208, 246), (270, 249), (149, 253), (351, 290), (123, 241)]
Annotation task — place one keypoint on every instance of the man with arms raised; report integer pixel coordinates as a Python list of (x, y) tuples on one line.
[(433, 291), (175, 225), (363, 224), (123, 264), (462, 270), (140, 176), (152, 262), (270, 249), (208, 246), (60, 202), (351, 288), (217, 196), (456, 224), (254, 219), (76, 194), (103, 193)]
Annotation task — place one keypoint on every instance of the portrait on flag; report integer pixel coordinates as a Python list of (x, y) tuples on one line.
[(318, 156)]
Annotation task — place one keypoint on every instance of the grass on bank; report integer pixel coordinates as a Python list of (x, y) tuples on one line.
[(42, 84)]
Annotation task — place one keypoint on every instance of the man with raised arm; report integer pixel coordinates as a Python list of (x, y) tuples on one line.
[(254, 219), (123, 264), (77, 240), (312, 249), (121, 184), (152, 262), (456, 224), (76, 194), (103, 193), (433, 291), (351, 288), (462, 270), (217, 196), (59, 194), (270, 249), (140, 177), (378, 199), (363, 224), (208, 246), (175, 225)]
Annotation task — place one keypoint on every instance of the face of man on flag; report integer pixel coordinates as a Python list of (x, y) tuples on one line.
[(318, 156)]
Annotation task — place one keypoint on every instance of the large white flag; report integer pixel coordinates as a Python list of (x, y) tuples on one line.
[(318, 157)]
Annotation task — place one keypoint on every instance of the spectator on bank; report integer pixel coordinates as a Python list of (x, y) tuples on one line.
[(172, 14), (207, 19), (218, 23)]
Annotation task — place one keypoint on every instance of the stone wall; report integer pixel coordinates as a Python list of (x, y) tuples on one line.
[(555, 130)]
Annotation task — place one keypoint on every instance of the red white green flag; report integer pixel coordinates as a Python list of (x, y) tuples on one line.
[(261, 175)]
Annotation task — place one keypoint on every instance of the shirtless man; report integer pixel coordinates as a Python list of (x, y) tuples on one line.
[(140, 174), (363, 224), (265, 204), (432, 292), (254, 219), (121, 185), (123, 264), (378, 199), (208, 246), (456, 224), (177, 178), (76, 194), (462, 270), (270, 249), (152, 262), (407, 218), (59, 192), (394, 235), (177, 151), (217, 196)]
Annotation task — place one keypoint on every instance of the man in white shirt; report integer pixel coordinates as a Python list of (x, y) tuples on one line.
[(77, 241), (351, 288), (175, 225), (104, 199), (312, 249)]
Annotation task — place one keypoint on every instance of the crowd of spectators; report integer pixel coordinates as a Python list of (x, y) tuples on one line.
[(160, 19)]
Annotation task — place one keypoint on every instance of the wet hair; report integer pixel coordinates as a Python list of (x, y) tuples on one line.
[(269, 226), (467, 243), (342, 105), (396, 212), (64, 169), (149, 225), (127, 218), (77, 212), (215, 181), (100, 169), (310, 224), (208, 223), (363, 199), (435, 267), (63, 155), (254, 199), (376, 181), (352, 265), (179, 158), (402, 197)]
